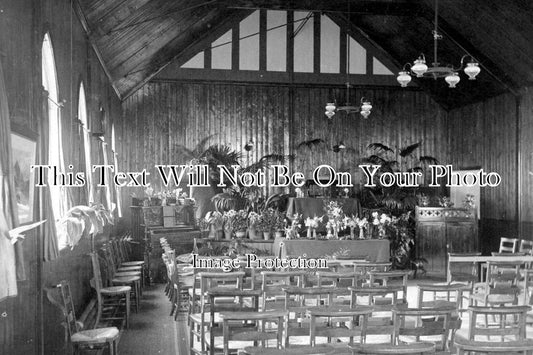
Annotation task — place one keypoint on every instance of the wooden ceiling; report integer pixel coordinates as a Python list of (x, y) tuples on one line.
[(135, 39)]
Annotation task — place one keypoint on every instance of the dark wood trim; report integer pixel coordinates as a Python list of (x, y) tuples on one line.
[(200, 43), (290, 41), (262, 39), (369, 63), (207, 58), (316, 42), (263, 77), (364, 40), (369, 7), (235, 49), (343, 43)]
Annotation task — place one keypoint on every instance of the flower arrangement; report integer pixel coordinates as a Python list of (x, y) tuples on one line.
[(236, 220), (423, 200), (335, 216), (253, 219), (279, 222), (266, 221), (381, 222), (469, 202), (291, 231), (312, 224), (445, 202)]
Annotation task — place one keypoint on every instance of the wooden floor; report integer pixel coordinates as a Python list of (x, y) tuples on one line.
[(152, 330)]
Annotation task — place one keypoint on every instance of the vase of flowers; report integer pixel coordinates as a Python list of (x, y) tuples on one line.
[(215, 220), (291, 231), (228, 223), (266, 223), (380, 224), (312, 225), (240, 223), (279, 224), (253, 221), (335, 219)]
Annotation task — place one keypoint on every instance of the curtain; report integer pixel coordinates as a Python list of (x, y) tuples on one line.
[(11, 262), (50, 249)]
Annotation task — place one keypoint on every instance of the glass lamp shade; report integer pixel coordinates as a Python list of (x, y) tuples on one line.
[(330, 114), (472, 70), (365, 114), (403, 78), (452, 79), (419, 67), (366, 106), (330, 107)]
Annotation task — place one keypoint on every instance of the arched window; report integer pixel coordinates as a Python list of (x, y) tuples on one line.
[(55, 147), (82, 116)]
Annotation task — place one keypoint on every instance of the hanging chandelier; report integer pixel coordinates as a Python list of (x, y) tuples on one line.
[(450, 74), (365, 106)]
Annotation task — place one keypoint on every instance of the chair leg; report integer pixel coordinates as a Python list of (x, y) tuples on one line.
[(111, 344), (128, 307)]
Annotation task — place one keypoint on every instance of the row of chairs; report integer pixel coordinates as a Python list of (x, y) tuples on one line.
[(114, 283)]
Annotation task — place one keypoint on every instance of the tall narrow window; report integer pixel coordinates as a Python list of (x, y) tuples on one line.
[(55, 147), (82, 116), (115, 162)]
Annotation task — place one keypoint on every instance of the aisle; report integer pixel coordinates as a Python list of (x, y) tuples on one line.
[(152, 330)]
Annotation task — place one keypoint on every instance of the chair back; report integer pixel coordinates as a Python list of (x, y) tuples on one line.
[(334, 326), (97, 274), (526, 246), (338, 279), (448, 294), (511, 322), (508, 245), (430, 322), (272, 283), (258, 332), (462, 272), (389, 278), (68, 308)]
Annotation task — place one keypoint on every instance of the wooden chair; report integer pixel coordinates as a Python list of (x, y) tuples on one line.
[(123, 258), (84, 339), (526, 246), (110, 295), (457, 272), (298, 300), (444, 295), (383, 299), (389, 278), (272, 283), (508, 245), (410, 349), (363, 268), (123, 278), (201, 320), (336, 326), (503, 329), (215, 326), (322, 349), (339, 280), (258, 332), (436, 324), (501, 285)]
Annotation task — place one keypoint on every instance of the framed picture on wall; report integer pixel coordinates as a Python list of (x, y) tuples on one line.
[(24, 149)]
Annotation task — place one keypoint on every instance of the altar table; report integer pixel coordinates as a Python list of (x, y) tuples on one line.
[(374, 250)]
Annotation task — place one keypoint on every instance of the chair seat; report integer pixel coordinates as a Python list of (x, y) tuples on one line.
[(129, 268), (132, 263), (127, 279), (127, 273), (95, 336), (394, 349), (115, 290), (489, 346)]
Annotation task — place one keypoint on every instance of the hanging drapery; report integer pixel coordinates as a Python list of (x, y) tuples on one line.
[(50, 247), (11, 262)]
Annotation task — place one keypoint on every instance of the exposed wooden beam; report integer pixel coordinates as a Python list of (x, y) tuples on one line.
[(185, 46), (83, 20), (376, 7)]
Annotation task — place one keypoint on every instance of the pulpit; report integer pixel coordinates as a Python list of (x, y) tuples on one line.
[(441, 230)]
